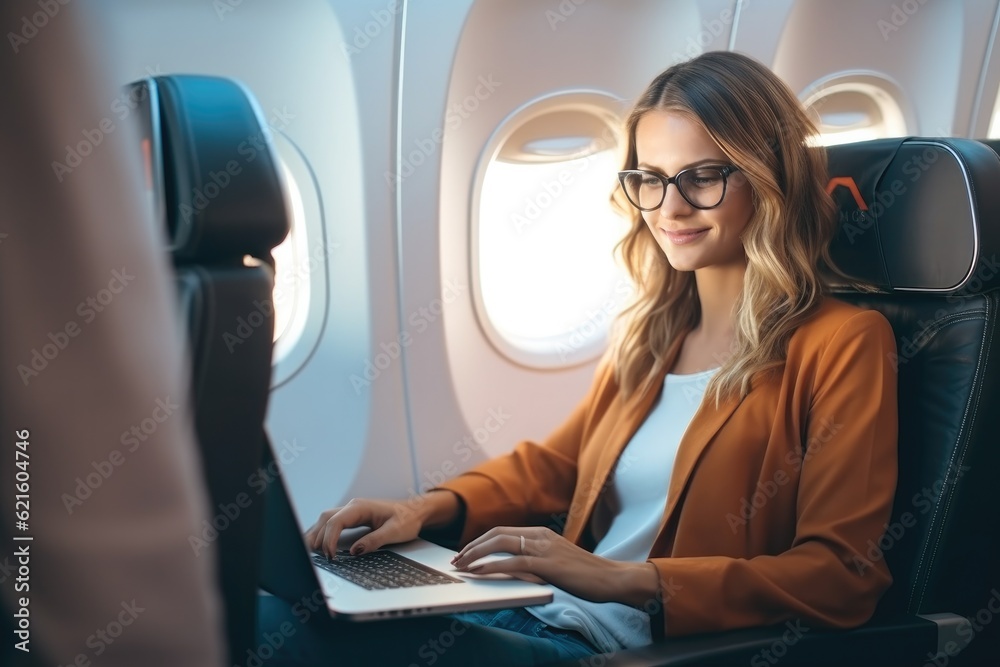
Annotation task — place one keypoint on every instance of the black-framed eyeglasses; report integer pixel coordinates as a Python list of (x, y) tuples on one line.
[(703, 187)]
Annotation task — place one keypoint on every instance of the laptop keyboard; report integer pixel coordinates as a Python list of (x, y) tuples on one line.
[(380, 570)]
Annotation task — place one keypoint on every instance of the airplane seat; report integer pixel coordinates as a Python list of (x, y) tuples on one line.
[(225, 212), (931, 244), (919, 221)]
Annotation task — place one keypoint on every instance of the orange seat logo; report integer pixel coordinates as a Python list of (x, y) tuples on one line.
[(847, 182)]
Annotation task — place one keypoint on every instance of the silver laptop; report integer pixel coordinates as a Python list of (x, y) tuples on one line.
[(411, 579)]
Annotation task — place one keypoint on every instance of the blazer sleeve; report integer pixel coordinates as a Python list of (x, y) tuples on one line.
[(533, 484), (829, 576)]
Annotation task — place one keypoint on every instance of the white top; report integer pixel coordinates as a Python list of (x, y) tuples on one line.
[(628, 515)]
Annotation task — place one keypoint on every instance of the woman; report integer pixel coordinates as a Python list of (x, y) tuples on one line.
[(769, 406)]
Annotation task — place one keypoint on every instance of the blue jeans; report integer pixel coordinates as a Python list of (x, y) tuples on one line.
[(293, 635)]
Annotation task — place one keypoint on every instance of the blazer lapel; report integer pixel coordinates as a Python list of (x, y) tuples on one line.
[(633, 413), (704, 425)]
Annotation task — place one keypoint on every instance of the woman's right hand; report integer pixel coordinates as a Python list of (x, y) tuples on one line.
[(391, 521)]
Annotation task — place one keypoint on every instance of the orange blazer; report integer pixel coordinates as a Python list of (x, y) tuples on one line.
[(776, 502)]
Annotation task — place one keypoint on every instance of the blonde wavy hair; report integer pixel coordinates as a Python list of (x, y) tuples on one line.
[(764, 130)]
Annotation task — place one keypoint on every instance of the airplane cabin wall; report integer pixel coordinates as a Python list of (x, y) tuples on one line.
[(389, 117), (930, 56)]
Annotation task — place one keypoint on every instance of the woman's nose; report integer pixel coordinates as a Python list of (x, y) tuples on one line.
[(674, 204)]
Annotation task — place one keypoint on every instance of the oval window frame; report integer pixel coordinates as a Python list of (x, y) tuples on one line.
[(885, 93), (552, 352), (301, 336)]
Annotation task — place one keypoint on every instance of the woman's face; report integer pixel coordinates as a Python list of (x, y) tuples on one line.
[(667, 142)]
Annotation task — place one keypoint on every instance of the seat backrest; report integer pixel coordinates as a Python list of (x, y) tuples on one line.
[(920, 220), (225, 211)]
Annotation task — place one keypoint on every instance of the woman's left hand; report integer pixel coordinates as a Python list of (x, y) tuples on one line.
[(543, 556)]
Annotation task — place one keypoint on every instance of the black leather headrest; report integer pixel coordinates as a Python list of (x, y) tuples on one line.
[(918, 214), (223, 195)]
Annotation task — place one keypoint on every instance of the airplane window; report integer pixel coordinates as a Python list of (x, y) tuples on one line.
[(549, 285), (301, 264), (291, 290), (855, 110)]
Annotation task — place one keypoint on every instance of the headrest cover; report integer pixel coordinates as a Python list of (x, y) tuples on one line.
[(223, 193), (918, 214)]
